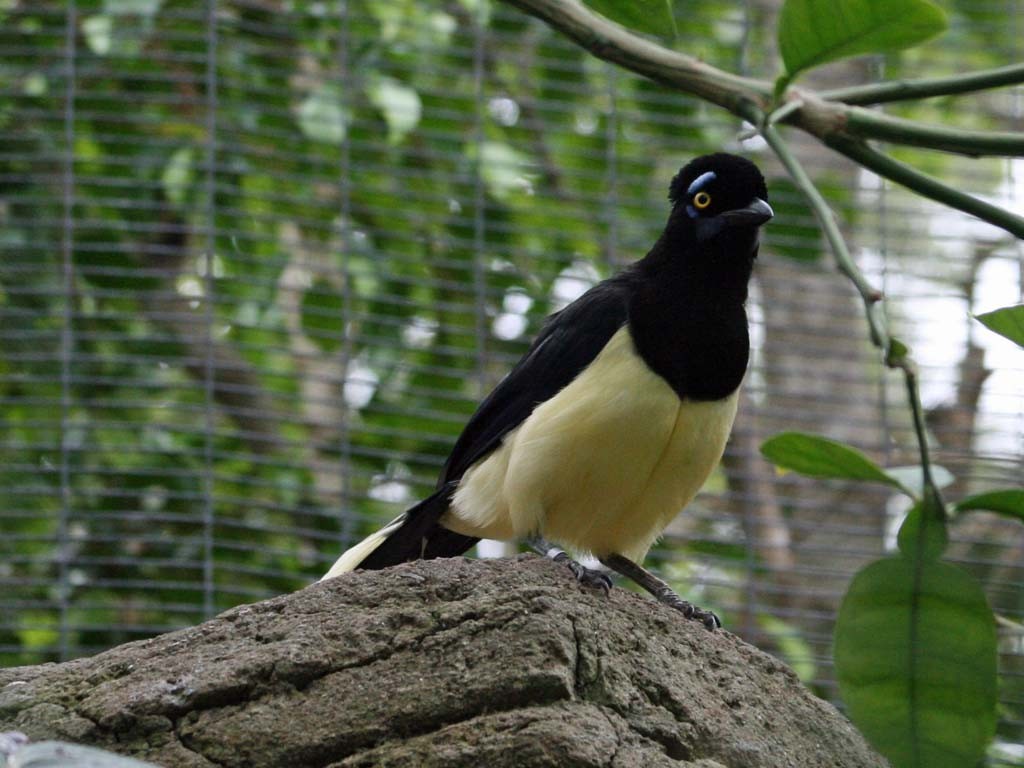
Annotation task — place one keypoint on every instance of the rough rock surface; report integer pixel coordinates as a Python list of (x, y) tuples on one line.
[(443, 663)]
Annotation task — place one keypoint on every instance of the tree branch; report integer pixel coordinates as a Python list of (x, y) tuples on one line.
[(925, 185), (844, 261), (894, 353), (611, 42), (904, 90), (236, 387), (827, 119), (870, 124)]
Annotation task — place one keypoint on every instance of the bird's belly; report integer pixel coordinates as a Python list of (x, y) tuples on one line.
[(601, 467)]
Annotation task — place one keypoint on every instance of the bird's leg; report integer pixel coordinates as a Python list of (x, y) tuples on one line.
[(662, 591), (586, 576)]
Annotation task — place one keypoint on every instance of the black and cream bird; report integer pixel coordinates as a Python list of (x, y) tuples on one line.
[(620, 409)]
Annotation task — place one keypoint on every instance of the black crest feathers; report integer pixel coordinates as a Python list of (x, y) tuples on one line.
[(740, 172)]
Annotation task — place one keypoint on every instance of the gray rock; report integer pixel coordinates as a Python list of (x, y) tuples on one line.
[(443, 663)]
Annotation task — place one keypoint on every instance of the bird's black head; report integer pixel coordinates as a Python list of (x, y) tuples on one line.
[(686, 314), (720, 197)]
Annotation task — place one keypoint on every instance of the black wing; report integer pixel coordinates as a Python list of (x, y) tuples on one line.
[(567, 343)]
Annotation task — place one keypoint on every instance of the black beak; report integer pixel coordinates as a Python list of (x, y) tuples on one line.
[(754, 214)]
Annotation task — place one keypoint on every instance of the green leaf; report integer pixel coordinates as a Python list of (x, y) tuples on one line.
[(399, 104), (114, 270), (820, 457), (35, 84), (1008, 322), (99, 34), (322, 316), (132, 7), (652, 16), (897, 352), (915, 655), (179, 175), (322, 117), (1009, 502), (927, 542), (505, 170), (812, 32), (38, 636), (794, 647)]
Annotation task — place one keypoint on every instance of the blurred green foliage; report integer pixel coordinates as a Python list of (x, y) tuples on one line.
[(331, 177), (289, 238)]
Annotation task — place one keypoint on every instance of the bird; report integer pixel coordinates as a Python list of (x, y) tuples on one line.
[(619, 410)]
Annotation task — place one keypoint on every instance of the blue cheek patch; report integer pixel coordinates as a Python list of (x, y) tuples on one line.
[(691, 212)]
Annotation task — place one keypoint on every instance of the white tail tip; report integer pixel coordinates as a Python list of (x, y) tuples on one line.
[(355, 555)]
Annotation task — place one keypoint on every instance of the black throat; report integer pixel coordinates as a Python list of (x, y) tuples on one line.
[(687, 315)]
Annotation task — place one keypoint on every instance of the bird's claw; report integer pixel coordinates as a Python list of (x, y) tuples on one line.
[(709, 619), (593, 579), (588, 577), (691, 611)]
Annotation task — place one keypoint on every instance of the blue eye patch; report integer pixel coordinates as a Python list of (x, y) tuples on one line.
[(700, 181)]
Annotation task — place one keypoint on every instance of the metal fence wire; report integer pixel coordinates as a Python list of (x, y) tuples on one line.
[(259, 260)]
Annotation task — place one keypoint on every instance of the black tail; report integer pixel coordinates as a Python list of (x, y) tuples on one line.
[(415, 534), (420, 536)]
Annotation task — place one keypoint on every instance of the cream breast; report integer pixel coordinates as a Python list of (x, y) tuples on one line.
[(602, 467)]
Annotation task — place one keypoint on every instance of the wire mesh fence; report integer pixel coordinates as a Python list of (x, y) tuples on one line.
[(259, 260)]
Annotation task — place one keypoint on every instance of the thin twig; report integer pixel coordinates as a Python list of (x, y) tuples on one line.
[(932, 495), (903, 90), (893, 353), (844, 261), (870, 124), (926, 185)]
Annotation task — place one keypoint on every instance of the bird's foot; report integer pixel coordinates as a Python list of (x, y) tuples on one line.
[(588, 577), (689, 610), (660, 590)]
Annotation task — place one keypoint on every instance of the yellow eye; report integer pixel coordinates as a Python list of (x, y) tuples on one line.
[(701, 200)]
